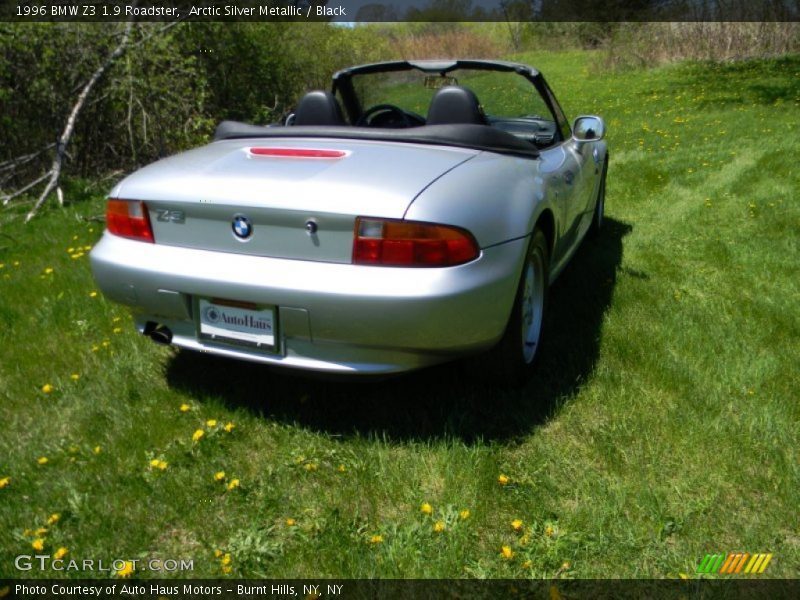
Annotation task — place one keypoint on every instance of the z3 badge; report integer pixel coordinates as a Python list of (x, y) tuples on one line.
[(170, 216)]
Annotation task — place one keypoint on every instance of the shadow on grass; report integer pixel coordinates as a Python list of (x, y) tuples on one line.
[(451, 401)]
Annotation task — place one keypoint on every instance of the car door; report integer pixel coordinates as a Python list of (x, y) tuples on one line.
[(580, 201), (560, 167), (569, 161)]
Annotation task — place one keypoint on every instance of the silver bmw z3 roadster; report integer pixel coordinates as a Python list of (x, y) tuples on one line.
[(414, 214)]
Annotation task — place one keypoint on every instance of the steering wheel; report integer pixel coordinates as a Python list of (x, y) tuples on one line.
[(367, 118)]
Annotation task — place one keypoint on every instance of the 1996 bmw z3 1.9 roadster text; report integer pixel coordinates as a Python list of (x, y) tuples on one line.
[(416, 213)]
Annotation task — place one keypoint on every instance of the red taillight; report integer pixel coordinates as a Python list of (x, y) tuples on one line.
[(129, 218), (298, 152), (408, 244)]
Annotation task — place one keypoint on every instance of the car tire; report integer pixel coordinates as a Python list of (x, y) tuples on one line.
[(517, 352), (600, 204)]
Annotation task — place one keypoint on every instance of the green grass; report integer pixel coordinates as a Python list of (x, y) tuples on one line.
[(660, 425)]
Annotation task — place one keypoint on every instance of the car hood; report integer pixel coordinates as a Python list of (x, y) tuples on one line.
[(367, 178)]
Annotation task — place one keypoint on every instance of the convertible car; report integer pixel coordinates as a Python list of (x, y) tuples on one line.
[(414, 214)]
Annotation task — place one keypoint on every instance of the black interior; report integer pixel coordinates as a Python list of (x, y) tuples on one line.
[(318, 108), (455, 104), (455, 118)]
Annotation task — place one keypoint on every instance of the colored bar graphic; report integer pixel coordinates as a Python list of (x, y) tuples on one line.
[(710, 563), (734, 562), (741, 562), (765, 563)]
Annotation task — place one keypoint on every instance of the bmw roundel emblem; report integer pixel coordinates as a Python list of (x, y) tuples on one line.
[(211, 314), (242, 228)]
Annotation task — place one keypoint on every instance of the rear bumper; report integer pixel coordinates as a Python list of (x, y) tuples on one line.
[(331, 317)]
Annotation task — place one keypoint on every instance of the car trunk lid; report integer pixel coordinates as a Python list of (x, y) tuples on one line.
[(299, 197)]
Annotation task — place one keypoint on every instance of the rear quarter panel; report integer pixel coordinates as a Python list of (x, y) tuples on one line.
[(496, 197)]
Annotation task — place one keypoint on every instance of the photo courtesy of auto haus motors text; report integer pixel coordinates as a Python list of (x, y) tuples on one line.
[(76, 590)]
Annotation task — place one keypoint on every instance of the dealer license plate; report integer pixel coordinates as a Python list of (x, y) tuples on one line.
[(236, 322)]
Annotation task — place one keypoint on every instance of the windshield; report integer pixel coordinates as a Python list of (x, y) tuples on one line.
[(502, 95)]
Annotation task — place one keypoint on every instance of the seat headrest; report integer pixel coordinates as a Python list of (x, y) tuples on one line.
[(318, 108), (455, 104)]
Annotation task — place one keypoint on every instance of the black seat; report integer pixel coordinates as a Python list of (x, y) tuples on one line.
[(318, 108), (455, 104)]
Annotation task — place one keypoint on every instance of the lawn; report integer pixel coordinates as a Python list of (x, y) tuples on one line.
[(661, 424)]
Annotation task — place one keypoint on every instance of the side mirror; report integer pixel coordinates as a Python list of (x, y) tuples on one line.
[(589, 128)]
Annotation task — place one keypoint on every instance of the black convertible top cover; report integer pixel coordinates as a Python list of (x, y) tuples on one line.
[(477, 137)]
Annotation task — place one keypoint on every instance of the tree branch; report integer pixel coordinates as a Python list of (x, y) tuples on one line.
[(55, 170)]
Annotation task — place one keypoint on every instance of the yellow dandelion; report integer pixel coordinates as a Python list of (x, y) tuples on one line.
[(683, 576), (198, 435), (565, 565), (154, 463), (464, 514), (438, 527), (126, 570), (211, 423), (97, 450), (229, 427), (426, 509), (226, 559), (233, 484), (48, 270), (87, 248), (40, 532), (219, 476), (75, 376), (516, 524), (217, 553), (47, 388), (92, 294), (506, 552), (162, 465), (376, 539), (53, 519), (185, 407), (549, 531), (4, 482), (290, 522), (117, 330), (60, 553), (42, 460), (503, 479), (310, 466), (341, 468), (38, 544)]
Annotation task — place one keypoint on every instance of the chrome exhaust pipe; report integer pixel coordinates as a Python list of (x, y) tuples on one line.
[(161, 335)]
